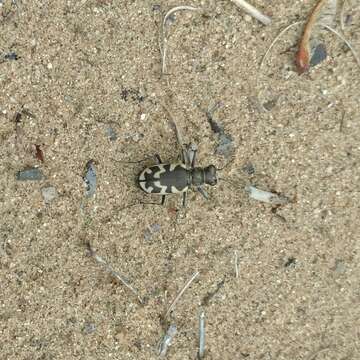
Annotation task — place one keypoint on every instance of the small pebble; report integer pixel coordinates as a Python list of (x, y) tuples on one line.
[(340, 266), (154, 228), (247, 18), (89, 328), (269, 105), (111, 133), (11, 56), (49, 194), (249, 169), (32, 174)]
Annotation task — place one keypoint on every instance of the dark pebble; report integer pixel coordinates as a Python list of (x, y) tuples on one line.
[(11, 56), (319, 54), (249, 169)]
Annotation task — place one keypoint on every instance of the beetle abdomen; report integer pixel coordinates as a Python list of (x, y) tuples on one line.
[(165, 179)]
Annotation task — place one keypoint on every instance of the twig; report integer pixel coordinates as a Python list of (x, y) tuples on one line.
[(171, 307), (276, 39), (344, 40), (201, 335), (251, 10), (302, 58), (115, 274), (163, 46), (166, 340), (342, 15), (236, 261)]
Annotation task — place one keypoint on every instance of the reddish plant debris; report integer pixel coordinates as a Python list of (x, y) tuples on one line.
[(302, 59), (39, 153)]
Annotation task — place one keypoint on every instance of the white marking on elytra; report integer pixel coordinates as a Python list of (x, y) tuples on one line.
[(174, 190), (174, 166), (143, 186), (161, 171), (161, 187), (142, 175)]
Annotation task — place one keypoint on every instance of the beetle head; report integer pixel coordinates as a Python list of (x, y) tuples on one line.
[(210, 175)]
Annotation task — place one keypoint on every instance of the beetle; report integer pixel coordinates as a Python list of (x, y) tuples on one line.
[(174, 178)]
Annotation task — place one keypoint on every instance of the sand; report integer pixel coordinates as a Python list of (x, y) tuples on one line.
[(87, 84)]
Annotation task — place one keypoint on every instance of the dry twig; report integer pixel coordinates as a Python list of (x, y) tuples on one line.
[(201, 352), (282, 32), (172, 306), (163, 44), (342, 15), (114, 273), (302, 58), (356, 56), (251, 10), (236, 261)]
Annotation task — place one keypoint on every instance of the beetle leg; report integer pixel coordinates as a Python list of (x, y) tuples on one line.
[(163, 198), (194, 158), (184, 199), (201, 190), (192, 152), (158, 158), (154, 203)]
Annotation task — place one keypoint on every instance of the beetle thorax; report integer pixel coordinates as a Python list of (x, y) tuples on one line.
[(198, 176)]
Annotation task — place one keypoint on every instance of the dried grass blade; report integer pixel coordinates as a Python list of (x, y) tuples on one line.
[(163, 45), (251, 10), (114, 273), (172, 305), (344, 40)]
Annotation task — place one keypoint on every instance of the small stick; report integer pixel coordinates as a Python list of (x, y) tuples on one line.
[(342, 15), (163, 48), (276, 39), (251, 10), (236, 261), (166, 340), (115, 274), (171, 307), (344, 40), (302, 58), (201, 335)]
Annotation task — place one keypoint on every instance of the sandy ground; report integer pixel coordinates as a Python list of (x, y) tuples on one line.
[(84, 67)]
